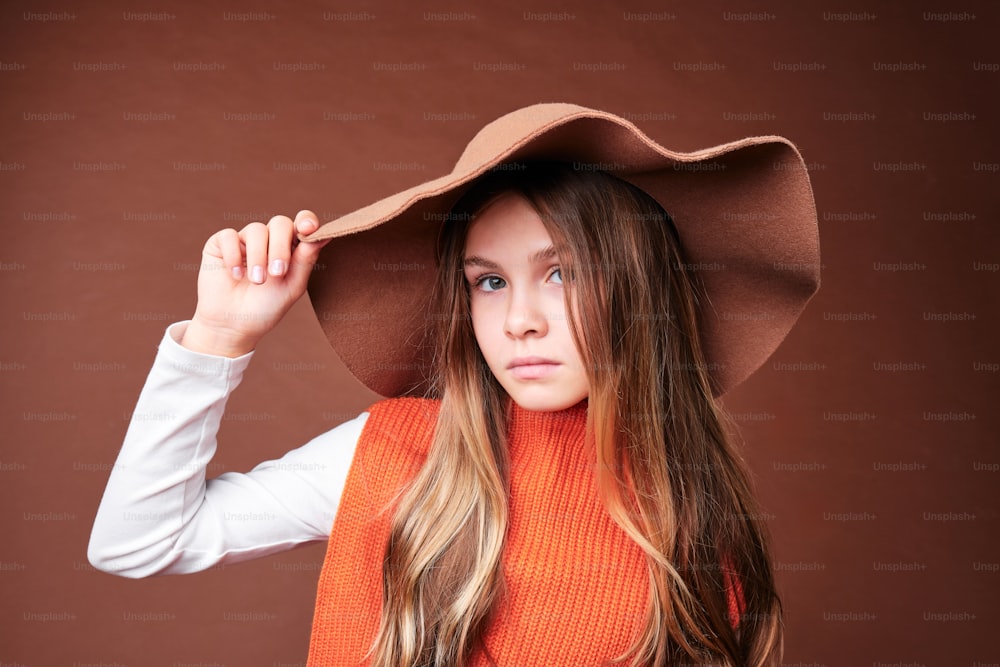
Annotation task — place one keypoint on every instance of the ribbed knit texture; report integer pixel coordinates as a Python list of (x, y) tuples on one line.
[(576, 584)]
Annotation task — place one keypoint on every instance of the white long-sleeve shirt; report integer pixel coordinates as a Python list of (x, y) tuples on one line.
[(160, 516)]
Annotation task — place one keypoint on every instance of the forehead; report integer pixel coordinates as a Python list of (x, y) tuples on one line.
[(508, 225)]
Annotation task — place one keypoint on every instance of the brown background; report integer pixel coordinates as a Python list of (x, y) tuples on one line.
[(125, 143)]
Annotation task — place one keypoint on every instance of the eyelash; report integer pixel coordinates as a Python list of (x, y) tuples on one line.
[(477, 282)]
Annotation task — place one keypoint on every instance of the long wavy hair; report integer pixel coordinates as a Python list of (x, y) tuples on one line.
[(667, 470)]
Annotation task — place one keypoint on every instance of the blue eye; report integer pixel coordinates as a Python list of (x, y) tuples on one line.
[(491, 283), (556, 276)]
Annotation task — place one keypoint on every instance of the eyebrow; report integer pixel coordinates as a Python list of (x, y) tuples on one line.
[(543, 255)]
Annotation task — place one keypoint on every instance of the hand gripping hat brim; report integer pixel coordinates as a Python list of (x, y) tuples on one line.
[(744, 212)]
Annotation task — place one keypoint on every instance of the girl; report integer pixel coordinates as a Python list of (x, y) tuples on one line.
[(566, 493)]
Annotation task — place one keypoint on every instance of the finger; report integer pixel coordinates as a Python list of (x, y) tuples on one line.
[(223, 251), (279, 244), (228, 243), (254, 237)]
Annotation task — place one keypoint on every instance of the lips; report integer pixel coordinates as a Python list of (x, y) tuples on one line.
[(532, 368)]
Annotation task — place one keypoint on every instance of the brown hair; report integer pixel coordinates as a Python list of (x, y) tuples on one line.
[(675, 483)]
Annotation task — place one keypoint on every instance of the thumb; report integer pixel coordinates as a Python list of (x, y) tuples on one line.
[(303, 259), (305, 253)]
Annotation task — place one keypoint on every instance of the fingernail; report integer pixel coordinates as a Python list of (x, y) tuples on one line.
[(277, 267), (237, 272), (257, 274)]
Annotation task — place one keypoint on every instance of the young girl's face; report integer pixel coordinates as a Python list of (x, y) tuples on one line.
[(518, 309)]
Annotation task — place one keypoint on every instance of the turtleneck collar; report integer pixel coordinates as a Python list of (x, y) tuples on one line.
[(561, 427)]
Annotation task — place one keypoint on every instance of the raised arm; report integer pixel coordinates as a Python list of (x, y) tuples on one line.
[(158, 514)]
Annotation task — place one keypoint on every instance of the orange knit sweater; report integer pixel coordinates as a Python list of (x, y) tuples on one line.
[(576, 584)]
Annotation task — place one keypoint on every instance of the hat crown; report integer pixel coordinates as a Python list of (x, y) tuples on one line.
[(509, 132)]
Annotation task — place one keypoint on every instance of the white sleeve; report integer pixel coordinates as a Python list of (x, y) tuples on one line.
[(159, 515)]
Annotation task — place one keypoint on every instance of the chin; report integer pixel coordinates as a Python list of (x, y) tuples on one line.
[(536, 402)]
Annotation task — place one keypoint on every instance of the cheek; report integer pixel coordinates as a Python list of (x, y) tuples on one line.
[(574, 320), (480, 325), (558, 316)]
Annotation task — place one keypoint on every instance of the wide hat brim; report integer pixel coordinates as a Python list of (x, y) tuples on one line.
[(744, 212)]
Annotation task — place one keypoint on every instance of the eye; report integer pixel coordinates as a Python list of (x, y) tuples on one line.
[(556, 276), (490, 283)]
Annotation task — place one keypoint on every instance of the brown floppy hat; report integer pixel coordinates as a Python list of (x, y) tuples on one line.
[(744, 212)]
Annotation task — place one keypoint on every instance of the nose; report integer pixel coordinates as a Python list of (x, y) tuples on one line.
[(525, 316)]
